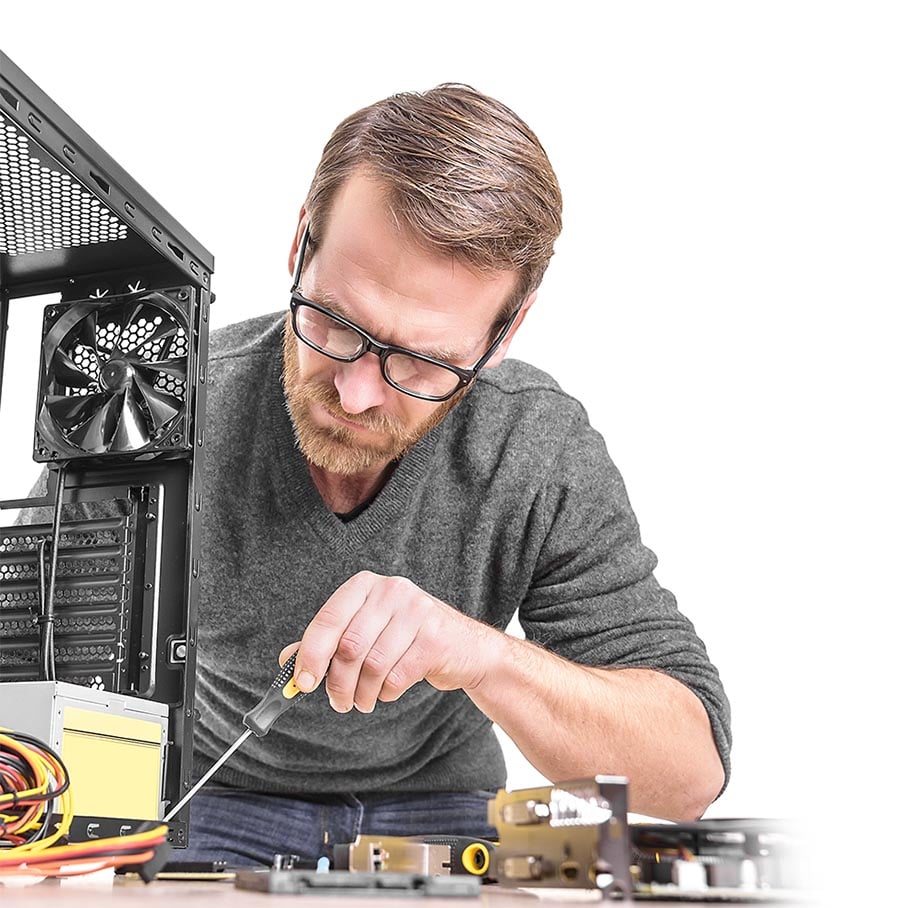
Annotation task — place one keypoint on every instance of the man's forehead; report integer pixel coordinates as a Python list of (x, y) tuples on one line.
[(363, 216)]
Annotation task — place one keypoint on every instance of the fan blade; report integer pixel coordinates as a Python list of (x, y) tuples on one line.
[(131, 428), (168, 327), (69, 412), (67, 373), (88, 334), (94, 435), (162, 407), (129, 315), (176, 367), (126, 316)]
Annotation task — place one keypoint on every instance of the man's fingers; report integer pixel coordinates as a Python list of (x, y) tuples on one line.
[(381, 662), (288, 651), (323, 634), (353, 650)]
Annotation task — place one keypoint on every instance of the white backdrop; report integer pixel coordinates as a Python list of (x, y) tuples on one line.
[(723, 296)]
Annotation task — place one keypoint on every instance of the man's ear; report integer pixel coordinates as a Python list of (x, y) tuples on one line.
[(500, 353), (295, 245)]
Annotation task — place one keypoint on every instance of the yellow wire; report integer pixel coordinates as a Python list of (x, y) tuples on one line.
[(44, 766), (114, 842)]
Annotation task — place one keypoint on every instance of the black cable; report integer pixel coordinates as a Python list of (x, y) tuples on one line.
[(42, 745), (45, 621), (42, 605), (47, 616)]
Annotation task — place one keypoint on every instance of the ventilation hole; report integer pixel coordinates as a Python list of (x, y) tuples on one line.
[(10, 98), (100, 182)]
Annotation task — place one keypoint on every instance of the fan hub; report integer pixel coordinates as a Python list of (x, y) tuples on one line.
[(116, 375)]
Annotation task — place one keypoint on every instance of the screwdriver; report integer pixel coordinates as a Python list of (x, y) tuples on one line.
[(279, 696)]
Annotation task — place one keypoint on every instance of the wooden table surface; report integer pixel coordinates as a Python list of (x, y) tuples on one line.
[(105, 891)]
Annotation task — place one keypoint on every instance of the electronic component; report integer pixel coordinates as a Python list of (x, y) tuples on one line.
[(346, 884), (717, 859), (570, 835), (113, 746), (199, 871), (433, 854)]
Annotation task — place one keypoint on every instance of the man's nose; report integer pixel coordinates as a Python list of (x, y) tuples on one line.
[(360, 384)]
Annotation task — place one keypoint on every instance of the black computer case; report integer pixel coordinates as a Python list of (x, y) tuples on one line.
[(99, 576)]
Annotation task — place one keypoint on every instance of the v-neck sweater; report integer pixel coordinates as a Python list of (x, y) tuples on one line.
[(510, 505)]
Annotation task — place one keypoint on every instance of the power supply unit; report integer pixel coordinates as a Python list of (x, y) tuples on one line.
[(112, 745)]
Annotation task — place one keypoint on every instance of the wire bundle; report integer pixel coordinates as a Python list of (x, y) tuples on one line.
[(32, 777)]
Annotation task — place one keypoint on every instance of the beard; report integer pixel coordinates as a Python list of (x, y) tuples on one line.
[(336, 448)]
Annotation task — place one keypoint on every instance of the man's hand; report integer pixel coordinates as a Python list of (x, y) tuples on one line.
[(378, 636)]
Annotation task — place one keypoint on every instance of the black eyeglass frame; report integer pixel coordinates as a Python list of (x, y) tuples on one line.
[(383, 351)]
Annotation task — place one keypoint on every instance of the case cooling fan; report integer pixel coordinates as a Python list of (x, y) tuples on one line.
[(115, 378)]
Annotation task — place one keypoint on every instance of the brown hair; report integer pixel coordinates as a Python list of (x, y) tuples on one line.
[(463, 173)]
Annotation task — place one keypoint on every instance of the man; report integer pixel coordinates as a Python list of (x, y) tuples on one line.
[(385, 490), (386, 495)]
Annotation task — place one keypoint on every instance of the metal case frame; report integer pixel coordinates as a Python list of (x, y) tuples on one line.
[(73, 222)]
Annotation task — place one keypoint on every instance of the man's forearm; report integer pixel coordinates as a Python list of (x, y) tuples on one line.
[(572, 721)]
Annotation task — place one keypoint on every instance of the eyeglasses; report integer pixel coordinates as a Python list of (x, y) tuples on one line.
[(412, 373)]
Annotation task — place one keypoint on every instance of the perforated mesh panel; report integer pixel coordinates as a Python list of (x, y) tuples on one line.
[(42, 208), (91, 600)]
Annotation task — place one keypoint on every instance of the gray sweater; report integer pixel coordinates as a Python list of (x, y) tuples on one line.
[(512, 503)]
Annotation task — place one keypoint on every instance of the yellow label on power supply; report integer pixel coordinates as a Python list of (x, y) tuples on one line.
[(114, 764)]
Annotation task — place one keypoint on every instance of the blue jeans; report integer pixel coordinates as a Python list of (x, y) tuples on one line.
[(246, 828)]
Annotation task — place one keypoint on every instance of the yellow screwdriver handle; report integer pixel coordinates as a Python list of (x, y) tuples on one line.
[(276, 700)]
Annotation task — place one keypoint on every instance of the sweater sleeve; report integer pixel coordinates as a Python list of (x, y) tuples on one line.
[(594, 598), (81, 510)]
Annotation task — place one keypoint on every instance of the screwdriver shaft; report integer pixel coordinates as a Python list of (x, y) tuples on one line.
[(279, 696), (207, 775)]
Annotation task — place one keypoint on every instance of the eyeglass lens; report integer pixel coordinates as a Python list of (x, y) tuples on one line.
[(342, 342)]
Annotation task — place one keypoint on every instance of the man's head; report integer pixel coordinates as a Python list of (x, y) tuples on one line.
[(431, 220), (461, 172)]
